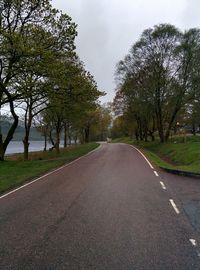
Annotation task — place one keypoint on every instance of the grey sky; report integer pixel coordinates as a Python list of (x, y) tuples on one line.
[(108, 28)]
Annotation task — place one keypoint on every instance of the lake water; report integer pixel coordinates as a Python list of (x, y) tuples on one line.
[(17, 147)]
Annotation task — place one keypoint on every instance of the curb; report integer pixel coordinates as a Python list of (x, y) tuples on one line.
[(182, 173)]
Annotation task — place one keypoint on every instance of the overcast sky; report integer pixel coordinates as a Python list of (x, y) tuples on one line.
[(108, 28)]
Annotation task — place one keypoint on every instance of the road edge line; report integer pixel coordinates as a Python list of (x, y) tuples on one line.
[(149, 163), (49, 173)]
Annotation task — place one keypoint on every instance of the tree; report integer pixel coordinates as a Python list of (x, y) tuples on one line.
[(73, 98), (157, 78), (14, 18), (30, 31), (35, 100), (101, 129)]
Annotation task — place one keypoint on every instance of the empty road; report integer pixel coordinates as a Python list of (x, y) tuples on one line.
[(110, 210)]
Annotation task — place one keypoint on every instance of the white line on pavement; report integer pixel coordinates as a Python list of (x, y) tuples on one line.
[(174, 206), (156, 173), (163, 185), (47, 174), (143, 156), (193, 241)]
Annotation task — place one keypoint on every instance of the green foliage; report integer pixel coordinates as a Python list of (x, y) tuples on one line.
[(71, 103), (101, 123), (158, 81), (120, 127), (40, 69)]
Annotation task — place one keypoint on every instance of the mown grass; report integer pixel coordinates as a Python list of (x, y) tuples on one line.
[(14, 171), (175, 154)]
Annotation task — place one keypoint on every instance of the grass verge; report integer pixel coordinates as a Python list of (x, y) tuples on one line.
[(14, 171), (175, 154)]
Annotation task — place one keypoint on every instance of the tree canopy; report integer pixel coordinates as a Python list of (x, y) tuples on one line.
[(159, 79), (40, 69)]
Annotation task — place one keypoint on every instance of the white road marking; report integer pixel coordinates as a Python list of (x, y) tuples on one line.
[(143, 156), (174, 206), (156, 173), (163, 185), (193, 241), (47, 174)]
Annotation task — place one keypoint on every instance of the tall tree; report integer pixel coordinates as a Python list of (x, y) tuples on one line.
[(14, 18), (156, 79), (20, 23)]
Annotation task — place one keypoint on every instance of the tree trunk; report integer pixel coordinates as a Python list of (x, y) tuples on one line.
[(1, 136), (145, 133), (70, 139), (87, 134), (136, 135), (193, 129), (57, 145), (45, 142), (160, 129), (51, 140), (172, 120), (140, 133), (26, 147), (28, 123), (75, 140), (1, 148), (65, 134), (9, 137), (159, 117)]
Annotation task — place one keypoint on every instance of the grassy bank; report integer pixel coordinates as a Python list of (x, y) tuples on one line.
[(14, 171), (175, 154)]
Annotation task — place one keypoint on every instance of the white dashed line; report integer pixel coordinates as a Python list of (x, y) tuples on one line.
[(163, 185), (156, 173), (174, 206), (193, 242)]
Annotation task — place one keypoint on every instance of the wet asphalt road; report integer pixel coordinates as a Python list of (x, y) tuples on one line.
[(107, 211)]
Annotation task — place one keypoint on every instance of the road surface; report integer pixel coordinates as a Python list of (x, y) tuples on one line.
[(109, 210)]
